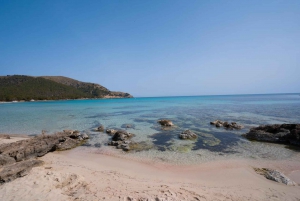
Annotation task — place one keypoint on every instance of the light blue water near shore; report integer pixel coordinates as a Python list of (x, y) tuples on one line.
[(192, 113)]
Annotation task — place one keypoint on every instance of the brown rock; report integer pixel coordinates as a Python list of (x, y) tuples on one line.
[(165, 122)]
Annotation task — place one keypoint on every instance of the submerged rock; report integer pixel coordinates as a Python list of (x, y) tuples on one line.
[(276, 133), (187, 134), (232, 125), (275, 175), (127, 126), (100, 128), (165, 122)]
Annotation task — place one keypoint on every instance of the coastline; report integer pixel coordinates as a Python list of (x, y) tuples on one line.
[(84, 174)]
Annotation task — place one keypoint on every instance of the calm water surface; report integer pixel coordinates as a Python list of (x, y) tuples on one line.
[(192, 113)]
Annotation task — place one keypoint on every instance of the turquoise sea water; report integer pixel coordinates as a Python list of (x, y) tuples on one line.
[(192, 113)]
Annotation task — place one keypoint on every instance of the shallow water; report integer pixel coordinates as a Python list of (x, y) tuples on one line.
[(192, 113)]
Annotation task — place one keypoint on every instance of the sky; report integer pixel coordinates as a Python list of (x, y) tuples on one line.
[(156, 48)]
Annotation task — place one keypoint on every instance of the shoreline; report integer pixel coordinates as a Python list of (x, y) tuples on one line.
[(85, 175)]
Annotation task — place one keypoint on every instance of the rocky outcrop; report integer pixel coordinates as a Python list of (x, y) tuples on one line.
[(276, 133), (165, 122), (118, 94), (225, 124), (16, 158), (275, 175), (121, 140), (15, 170), (187, 135)]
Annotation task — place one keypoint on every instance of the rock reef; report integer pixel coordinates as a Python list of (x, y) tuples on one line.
[(276, 133)]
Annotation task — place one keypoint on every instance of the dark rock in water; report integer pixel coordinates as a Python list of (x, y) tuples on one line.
[(277, 133), (275, 175), (165, 122), (121, 140), (15, 170), (100, 128), (188, 135), (232, 125), (121, 135)]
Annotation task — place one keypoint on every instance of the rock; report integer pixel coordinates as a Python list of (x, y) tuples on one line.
[(232, 125), (276, 133), (127, 126), (216, 122), (165, 122), (100, 128), (16, 157), (15, 170), (5, 160), (275, 175), (39, 145), (121, 135), (111, 131), (187, 134), (85, 136), (5, 136), (121, 140), (68, 143), (68, 131)]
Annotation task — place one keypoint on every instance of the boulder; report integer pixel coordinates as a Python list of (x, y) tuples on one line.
[(276, 133), (187, 134), (165, 122), (121, 140), (121, 135)]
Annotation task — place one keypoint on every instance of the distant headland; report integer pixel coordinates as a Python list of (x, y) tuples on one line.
[(29, 88)]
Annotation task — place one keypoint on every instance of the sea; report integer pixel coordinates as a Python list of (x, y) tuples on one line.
[(140, 115)]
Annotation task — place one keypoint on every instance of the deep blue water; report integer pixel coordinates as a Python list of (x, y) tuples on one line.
[(192, 113)]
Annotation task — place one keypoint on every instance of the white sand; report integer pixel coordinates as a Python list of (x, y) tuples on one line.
[(80, 175)]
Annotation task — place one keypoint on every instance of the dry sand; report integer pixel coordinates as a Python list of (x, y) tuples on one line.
[(80, 174)]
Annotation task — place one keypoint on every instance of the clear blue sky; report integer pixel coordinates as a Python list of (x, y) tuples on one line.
[(156, 48)]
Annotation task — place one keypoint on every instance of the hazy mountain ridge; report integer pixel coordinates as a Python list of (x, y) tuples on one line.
[(22, 87)]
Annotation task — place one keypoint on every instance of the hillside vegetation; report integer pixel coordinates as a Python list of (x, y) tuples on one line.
[(21, 87)]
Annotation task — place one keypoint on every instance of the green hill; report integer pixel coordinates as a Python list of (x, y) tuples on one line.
[(21, 87)]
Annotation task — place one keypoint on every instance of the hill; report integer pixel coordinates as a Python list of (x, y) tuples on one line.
[(22, 87)]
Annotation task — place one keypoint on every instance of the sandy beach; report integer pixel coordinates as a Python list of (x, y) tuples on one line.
[(87, 174)]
